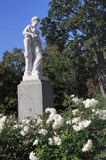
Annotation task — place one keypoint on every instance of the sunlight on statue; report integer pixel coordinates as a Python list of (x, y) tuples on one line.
[(33, 49)]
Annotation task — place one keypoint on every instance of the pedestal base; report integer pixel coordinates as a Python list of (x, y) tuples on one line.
[(33, 97)]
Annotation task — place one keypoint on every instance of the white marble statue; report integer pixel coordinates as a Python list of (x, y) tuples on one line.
[(33, 49)]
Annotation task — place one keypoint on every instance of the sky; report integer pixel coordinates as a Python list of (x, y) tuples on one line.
[(14, 16)]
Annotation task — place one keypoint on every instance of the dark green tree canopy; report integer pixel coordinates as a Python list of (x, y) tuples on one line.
[(83, 20), (79, 26), (11, 71)]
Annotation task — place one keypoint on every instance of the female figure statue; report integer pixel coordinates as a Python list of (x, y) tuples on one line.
[(33, 49)]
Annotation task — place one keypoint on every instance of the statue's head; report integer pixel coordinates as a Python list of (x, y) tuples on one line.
[(35, 20)]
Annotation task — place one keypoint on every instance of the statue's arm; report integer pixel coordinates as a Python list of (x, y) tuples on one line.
[(27, 32)]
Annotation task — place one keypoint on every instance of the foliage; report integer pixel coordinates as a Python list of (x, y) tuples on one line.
[(11, 70), (79, 27), (55, 136), (101, 99), (79, 20), (68, 74)]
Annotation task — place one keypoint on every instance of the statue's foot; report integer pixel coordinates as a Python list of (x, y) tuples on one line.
[(38, 75), (28, 76)]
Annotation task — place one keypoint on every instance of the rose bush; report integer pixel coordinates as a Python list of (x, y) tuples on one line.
[(76, 134)]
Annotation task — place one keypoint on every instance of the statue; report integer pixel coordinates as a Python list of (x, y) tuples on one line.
[(33, 50), (34, 92)]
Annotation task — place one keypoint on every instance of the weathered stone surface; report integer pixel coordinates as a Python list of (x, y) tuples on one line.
[(33, 97)]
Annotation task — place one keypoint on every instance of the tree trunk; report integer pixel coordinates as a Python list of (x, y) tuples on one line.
[(101, 73)]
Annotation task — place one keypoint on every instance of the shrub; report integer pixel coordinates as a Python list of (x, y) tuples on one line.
[(77, 134)]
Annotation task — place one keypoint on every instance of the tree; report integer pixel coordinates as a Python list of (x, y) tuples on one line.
[(79, 26), (11, 70), (67, 75)]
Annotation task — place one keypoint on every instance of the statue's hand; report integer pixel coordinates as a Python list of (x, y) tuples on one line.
[(35, 35)]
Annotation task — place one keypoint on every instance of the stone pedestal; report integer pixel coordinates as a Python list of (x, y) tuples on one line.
[(33, 97)]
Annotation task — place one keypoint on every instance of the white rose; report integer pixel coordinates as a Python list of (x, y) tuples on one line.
[(102, 114), (50, 119), (42, 131), (35, 142), (81, 125), (24, 131), (76, 120), (93, 110), (58, 121), (88, 146), (25, 121), (39, 121), (51, 110), (68, 122), (57, 140), (3, 119), (1, 115), (32, 156), (85, 123), (56, 125), (2, 122), (50, 141), (72, 95), (78, 128), (76, 100), (90, 103), (58, 117), (75, 111)]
